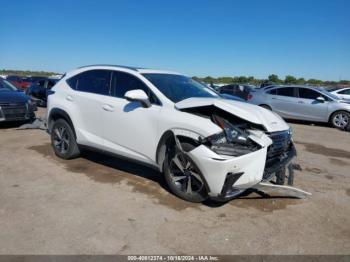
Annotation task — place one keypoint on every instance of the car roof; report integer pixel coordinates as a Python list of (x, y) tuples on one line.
[(141, 70), (278, 86)]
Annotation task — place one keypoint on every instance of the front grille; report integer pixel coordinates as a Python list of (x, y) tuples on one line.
[(280, 144), (14, 111)]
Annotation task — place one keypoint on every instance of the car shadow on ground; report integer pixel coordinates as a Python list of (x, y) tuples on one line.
[(120, 164), (9, 125), (127, 169)]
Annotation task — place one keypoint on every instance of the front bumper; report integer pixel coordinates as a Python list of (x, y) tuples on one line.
[(16, 112), (227, 177)]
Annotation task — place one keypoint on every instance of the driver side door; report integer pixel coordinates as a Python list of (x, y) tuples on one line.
[(130, 129), (309, 108)]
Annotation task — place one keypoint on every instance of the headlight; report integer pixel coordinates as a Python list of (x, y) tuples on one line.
[(219, 138), (235, 135), (232, 141)]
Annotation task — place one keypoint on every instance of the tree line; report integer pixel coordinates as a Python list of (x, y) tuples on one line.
[(272, 79), (24, 73)]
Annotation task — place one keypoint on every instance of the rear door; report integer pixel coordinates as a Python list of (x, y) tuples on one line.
[(283, 100), (309, 108), (91, 88)]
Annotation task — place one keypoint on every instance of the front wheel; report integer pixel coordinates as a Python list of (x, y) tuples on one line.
[(63, 140), (184, 178), (340, 119)]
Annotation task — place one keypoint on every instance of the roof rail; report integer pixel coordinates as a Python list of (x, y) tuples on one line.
[(127, 67)]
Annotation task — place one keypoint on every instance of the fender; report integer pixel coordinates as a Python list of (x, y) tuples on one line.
[(56, 113), (173, 137)]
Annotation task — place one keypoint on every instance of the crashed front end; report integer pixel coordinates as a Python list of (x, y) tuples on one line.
[(241, 156)]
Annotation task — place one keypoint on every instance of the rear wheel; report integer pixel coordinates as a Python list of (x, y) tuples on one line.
[(340, 119), (63, 140), (183, 177)]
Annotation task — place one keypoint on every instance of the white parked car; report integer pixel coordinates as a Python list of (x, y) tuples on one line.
[(204, 145), (342, 93)]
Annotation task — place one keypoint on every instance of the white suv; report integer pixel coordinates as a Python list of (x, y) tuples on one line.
[(204, 145)]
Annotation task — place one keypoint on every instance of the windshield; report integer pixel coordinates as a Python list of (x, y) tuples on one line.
[(330, 94), (6, 86), (179, 87)]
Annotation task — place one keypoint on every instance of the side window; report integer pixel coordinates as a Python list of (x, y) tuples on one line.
[(285, 91), (93, 81), (272, 92), (308, 93), (124, 82), (345, 92)]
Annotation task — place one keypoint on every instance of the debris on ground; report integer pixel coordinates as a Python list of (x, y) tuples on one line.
[(38, 123)]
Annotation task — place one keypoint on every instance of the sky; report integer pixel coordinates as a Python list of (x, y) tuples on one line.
[(309, 38)]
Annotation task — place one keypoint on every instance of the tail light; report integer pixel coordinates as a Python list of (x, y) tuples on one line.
[(249, 97)]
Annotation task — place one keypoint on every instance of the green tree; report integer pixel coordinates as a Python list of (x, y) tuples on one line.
[(300, 81), (315, 82), (274, 78), (242, 79), (290, 80)]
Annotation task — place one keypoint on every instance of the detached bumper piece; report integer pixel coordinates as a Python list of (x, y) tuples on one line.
[(286, 191)]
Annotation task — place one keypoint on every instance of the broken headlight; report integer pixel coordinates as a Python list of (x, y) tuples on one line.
[(232, 141)]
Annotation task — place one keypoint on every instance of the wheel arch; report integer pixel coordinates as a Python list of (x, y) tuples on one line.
[(265, 106), (168, 140), (57, 113), (336, 111)]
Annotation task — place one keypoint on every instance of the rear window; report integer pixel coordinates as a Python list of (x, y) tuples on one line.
[(93, 81)]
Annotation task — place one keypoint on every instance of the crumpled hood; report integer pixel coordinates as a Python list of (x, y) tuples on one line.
[(13, 97), (251, 113)]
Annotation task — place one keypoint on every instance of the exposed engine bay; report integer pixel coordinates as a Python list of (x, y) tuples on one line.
[(237, 139)]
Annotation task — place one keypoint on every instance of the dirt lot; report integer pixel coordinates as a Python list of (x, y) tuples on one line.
[(102, 205)]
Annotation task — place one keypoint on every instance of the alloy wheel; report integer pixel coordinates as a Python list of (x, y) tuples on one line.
[(61, 139), (185, 175), (341, 120)]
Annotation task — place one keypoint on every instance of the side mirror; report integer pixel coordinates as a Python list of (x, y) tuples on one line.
[(321, 99), (138, 95)]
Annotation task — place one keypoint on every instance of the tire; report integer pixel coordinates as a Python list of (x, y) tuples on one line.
[(178, 181), (63, 140), (266, 107), (340, 119)]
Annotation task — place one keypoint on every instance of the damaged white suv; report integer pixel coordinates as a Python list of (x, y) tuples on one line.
[(204, 145)]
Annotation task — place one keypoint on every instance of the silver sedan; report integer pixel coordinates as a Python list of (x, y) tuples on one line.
[(303, 103)]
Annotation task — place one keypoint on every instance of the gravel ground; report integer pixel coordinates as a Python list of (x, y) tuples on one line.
[(102, 205)]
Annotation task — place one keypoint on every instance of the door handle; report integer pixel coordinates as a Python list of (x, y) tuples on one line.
[(274, 98), (69, 98), (108, 108), (300, 102)]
